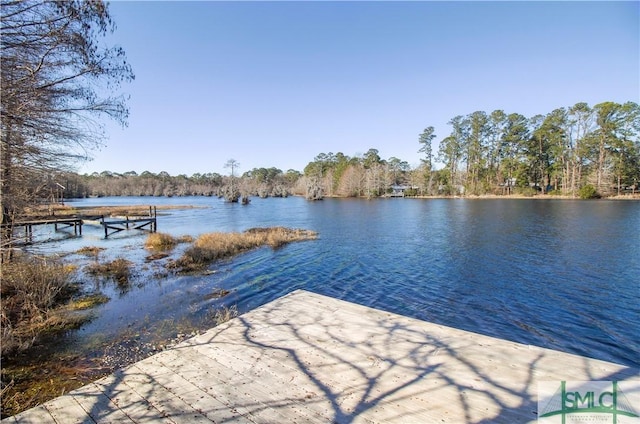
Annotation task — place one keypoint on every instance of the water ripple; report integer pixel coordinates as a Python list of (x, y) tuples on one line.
[(557, 274)]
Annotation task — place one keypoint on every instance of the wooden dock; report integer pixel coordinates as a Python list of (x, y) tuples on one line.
[(75, 222), (111, 225), (308, 358), (115, 225)]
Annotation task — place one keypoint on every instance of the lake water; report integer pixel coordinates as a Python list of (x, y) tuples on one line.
[(559, 274)]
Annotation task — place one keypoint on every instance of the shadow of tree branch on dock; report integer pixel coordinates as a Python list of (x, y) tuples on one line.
[(309, 358), (344, 363)]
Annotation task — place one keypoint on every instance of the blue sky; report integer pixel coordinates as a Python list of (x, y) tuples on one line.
[(276, 83)]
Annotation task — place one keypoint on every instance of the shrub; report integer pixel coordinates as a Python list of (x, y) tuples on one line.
[(224, 314), (588, 192), (31, 289), (118, 269), (214, 246), (526, 191), (278, 236), (160, 241), (90, 251), (185, 239)]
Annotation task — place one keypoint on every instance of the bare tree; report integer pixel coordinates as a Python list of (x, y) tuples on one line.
[(57, 80), (233, 165), (232, 191)]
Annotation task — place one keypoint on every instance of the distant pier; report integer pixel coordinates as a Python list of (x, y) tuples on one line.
[(115, 225), (74, 222), (111, 225)]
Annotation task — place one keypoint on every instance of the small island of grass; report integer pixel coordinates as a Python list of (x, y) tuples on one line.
[(214, 246)]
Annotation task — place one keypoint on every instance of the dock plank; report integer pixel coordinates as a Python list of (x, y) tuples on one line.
[(199, 400), (37, 415), (98, 406), (310, 358), (269, 378), (65, 409)]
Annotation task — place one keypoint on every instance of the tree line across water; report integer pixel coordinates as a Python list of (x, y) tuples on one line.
[(576, 151), (59, 79)]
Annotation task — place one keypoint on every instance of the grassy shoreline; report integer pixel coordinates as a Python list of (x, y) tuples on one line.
[(60, 306), (143, 210), (521, 196), (36, 291), (211, 247)]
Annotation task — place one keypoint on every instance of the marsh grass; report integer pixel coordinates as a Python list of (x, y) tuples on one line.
[(32, 289), (119, 270), (160, 244), (90, 251), (224, 314), (22, 393), (88, 302), (164, 241), (160, 241), (215, 246)]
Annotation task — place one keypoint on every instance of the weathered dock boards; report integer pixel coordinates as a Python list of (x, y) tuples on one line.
[(111, 225), (139, 223), (74, 222), (309, 358)]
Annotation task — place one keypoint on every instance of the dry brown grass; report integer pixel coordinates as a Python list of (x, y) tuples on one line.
[(30, 383), (31, 290), (119, 269), (279, 236), (163, 241), (215, 246), (160, 241), (160, 244), (90, 251), (224, 314)]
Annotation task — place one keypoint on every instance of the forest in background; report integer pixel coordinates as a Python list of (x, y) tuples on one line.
[(578, 151), (60, 80)]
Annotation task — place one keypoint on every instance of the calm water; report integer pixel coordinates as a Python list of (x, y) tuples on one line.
[(553, 273)]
